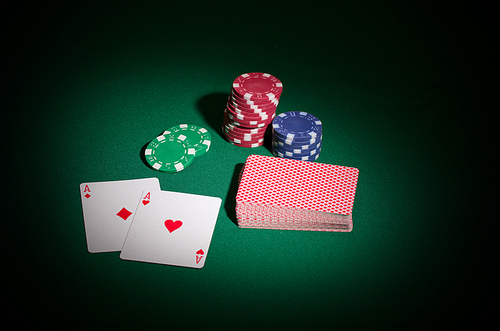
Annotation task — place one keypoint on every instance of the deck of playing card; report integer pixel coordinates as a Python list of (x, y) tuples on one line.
[(277, 193), (147, 224)]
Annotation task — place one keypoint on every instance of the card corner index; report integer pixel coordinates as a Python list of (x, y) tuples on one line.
[(85, 191)]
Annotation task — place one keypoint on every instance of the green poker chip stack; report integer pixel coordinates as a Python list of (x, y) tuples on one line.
[(197, 137), (175, 149)]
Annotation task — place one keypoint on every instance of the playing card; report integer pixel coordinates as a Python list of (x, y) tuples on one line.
[(173, 228), (297, 184), (279, 193), (108, 211)]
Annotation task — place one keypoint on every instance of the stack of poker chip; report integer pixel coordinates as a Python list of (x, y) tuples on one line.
[(297, 135), (286, 194), (250, 108), (177, 147)]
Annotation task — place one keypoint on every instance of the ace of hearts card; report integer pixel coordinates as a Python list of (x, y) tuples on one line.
[(172, 228)]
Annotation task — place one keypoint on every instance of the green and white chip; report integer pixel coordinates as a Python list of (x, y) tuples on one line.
[(170, 152), (198, 137)]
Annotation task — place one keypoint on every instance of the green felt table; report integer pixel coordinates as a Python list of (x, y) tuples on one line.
[(395, 85)]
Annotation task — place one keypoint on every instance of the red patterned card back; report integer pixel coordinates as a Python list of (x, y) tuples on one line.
[(296, 184)]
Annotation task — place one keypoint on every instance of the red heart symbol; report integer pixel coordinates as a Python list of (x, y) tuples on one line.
[(145, 202), (172, 226)]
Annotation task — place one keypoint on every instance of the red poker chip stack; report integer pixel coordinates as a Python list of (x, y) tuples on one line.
[(250, 108), (287, 194)]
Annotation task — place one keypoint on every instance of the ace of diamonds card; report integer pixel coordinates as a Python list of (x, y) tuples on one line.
[(108, 211), (172, 228)]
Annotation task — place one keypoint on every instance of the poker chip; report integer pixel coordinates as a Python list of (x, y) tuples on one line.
[(176, 147), (257, 86), (290, 142), (169, 153), (242, 129), (297, 125), (253, 104), (309, 157), (245, 116), (297, 152), (268, 104), (246, 125), (249, 121), (253, 100), (276, 193), (295, 148), (297, 135), (236, 133), (243, 144), (243, 138), (250, 108), (197, 137)]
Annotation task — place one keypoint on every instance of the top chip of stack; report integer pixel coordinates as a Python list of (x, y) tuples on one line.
[(250, 108), (297, 135), (175, 149)]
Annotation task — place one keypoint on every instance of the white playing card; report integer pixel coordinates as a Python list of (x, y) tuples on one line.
[(108, 211), (174, 228)]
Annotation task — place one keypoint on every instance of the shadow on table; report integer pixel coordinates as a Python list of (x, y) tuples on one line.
[(212, 106), (143, 156), (230, 204), (268, 138)]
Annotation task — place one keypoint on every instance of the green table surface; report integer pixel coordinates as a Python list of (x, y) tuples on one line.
[(402, 89)]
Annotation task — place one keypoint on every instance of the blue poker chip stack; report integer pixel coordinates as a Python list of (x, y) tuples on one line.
[(297, 135)]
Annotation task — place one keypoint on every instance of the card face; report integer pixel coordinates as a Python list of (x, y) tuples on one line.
[(108, 211), (172, 228)]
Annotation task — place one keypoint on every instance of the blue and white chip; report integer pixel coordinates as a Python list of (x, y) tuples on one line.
[(297, 126)]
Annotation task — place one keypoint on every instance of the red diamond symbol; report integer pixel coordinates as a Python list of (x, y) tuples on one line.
[(124, 213), (87, 195)]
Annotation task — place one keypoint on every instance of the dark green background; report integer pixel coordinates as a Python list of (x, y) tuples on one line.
[(402, 91)]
